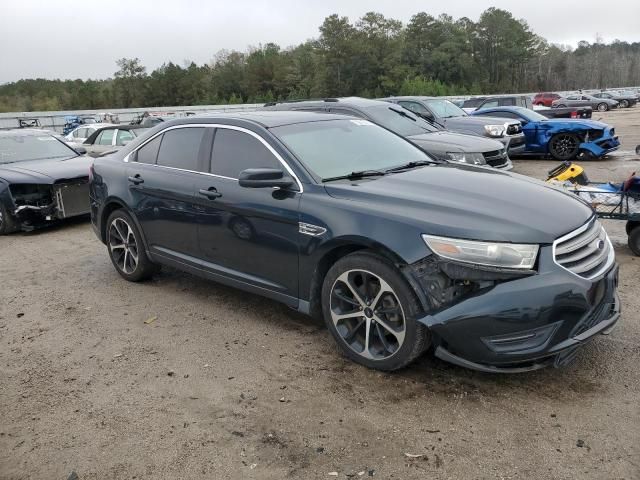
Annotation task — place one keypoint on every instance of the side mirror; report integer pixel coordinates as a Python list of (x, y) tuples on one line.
[(80, 150), (264, 178)]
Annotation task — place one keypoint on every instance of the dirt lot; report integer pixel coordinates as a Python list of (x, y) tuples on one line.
[(180, 379)]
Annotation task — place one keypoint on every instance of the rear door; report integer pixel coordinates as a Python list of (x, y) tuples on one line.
[(248, 234), (161, 182)]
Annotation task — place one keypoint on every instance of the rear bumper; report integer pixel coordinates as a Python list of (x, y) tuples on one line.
[(527, 323)]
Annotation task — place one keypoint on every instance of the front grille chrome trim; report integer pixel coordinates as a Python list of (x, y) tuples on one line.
[(576, 253)]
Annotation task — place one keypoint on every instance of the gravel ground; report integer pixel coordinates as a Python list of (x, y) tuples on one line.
[(180, 378)]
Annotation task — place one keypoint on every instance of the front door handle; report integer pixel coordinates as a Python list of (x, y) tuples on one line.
[(136, 179), (211, 193)]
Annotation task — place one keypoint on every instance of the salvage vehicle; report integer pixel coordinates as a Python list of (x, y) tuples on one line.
[(624, 100), (525, 102), (582, 100), (42, 180), (447, 115), (433, 139), (561, 139), (544, 99), (346, 221), (111, 138)]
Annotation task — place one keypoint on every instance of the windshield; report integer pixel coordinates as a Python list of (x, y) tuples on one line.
[(445, 109), (531, 115), (338, 147), (21, 148), (399, 120)]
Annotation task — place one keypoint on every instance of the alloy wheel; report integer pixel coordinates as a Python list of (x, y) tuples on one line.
[(564, 146), (123, 245), (603, 107), (367, 314)]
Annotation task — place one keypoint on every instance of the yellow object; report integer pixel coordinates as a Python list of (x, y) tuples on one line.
[(568, 171)]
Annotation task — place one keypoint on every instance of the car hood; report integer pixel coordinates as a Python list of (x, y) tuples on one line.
[(575, 123), (477, 120), (467, 202), (45, 171), (456, 142)]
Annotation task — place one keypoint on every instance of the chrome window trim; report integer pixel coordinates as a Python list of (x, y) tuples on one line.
[(218, 125), (610, 258)]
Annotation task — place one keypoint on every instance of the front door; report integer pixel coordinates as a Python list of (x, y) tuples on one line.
[(248, 234)]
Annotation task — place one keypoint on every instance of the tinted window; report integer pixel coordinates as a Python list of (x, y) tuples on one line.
[(123, 136), (149, 152), (105, 137), (235, 151), (414, 107), (444, 108), (490, 104), (399, 120), (179, 148)]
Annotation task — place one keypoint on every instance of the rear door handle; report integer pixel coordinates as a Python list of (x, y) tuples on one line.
[(136, 179), (211, 193)]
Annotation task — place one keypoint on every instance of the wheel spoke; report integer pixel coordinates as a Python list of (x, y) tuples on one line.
[(398, 334), (344, 298), (383, 339), (351, 335), (344, 278), (384, 288)]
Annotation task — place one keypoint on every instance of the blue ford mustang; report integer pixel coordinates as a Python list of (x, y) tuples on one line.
[(562, 138)]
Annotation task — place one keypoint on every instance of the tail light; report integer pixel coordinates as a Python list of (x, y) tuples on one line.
[(574, 114)]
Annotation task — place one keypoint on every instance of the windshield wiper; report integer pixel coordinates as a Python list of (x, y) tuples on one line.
[(409, 165), (354, 175)]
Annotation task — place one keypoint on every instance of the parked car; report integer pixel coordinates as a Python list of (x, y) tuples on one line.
[(582, 100), (42, 180), (624, 100), (72, 122), (447, 115), (525, 102), (562, 139), (432, 139), (111, 138), (80, 134), (545, 99), (345, 220)]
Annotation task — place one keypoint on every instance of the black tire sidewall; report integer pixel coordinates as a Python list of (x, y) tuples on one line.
[(145, 268), (415, 333), (7, 225), (634, 240)]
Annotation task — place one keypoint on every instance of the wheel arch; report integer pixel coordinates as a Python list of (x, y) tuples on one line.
[(334, 251), (111, 205)]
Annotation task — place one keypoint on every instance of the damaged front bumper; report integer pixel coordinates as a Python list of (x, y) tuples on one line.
[(35, 205), (601, 146), (523, 324)]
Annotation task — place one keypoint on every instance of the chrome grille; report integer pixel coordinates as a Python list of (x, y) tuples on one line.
[(496, 158), (587, 251), (514, 129)]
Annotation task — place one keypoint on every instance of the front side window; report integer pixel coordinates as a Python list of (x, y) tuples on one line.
[(235, 151), (179, 148), (105, 137), (339, 147)]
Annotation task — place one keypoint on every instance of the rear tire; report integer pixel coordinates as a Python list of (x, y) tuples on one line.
[(624, 103), (126, 248), (371, 312), (634, 240), (564, 146), (7, 224), (602, 107)]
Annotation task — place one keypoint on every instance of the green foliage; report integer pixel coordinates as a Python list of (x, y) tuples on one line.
[(372, 57)]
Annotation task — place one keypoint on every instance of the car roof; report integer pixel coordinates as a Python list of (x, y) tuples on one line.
[(109, 126), (27, 132), (264, 118), (512, 108), (344, 101)]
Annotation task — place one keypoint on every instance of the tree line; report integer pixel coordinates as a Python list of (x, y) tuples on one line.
[(373, 57)]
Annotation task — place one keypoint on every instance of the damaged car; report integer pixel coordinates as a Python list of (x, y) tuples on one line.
[(562, 139), (42, 180), (347, 221)]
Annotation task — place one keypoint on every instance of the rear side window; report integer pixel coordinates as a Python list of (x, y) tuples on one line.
[(149, 152), (123, 136), (179, 148), (235, 151)]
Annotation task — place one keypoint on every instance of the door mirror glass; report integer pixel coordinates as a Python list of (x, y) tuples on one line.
[(264, 178)]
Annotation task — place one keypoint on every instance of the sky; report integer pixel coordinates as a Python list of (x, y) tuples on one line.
[(68, 40)]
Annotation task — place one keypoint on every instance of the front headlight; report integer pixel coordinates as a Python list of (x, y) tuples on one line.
[(494, 130), (500, 255), (470, 158)]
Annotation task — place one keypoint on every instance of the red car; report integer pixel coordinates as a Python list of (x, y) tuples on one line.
[(545, 99)]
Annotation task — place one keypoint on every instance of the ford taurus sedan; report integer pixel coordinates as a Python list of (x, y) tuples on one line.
[(342, 219)]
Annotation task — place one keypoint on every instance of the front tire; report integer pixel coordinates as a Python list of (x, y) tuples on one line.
[(126, 249), (371, 312), (624, 103), (634, 240), (564, 146), (7, 224), (603, 107)]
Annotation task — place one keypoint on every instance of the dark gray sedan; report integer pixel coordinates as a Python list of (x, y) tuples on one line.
[(583, 100), (625, 100)]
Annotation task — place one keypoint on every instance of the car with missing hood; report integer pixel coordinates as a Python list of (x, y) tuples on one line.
[(433, 139), (442, 112), (348, 222), (563, 139), (42, 180)]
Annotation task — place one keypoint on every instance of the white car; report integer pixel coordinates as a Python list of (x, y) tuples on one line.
[(78, 135)]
